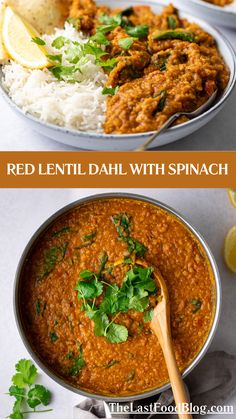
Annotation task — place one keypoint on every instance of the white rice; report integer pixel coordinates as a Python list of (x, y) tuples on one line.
[(81, 106)]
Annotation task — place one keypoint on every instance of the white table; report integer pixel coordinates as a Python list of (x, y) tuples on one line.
[(22, 212), (219, 134)]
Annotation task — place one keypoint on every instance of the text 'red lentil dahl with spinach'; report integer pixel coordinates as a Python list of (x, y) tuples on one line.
[(86, 305)]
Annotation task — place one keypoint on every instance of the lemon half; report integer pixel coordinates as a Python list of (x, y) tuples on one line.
[(230, 249), (17, 38), (3, 53), (232, 196)]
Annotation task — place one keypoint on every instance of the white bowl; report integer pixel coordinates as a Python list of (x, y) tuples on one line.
[(94, 141), (223, 16)]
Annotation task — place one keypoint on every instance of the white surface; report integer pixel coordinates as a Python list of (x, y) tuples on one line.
[(219, 134), (23, 211)]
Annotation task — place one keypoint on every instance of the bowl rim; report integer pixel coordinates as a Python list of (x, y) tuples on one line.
[(214, 7), (122, 137), (104, 196)]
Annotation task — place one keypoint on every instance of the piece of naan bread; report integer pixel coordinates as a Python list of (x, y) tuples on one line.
[(44, 15)]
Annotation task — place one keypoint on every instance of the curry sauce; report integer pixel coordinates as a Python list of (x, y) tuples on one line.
[(161, 64), (99, 243)]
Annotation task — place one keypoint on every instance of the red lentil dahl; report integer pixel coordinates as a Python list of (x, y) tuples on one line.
[(57, 328), (173, 65)]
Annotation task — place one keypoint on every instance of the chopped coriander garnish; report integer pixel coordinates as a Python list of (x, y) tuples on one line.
[(133, 294), (60, 42), (126, 43), (115, 20), (148, 315), (100, 38), (140, 31), (110, 90), (110, 63), (38, 41)]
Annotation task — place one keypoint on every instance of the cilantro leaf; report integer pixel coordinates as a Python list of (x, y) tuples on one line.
[(148, 315), (17, 392), (110, 90), (126, 43), (38, 41), (111, 63), (24, 392), (100, 38), (138, 304), (55, 58), (110, 303), (38, 395), (117, 333), (115, 20), (140, 31), (16, 415), (101, 322), (86, 274), (86, 290), (26, 373), (59, 42)]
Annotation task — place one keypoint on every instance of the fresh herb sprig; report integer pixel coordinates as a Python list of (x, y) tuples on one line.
[(123, 228), (27, 394), (133, 294)]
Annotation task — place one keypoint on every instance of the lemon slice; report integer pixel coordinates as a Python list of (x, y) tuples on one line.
[(230, 249), (17, 38), (232, 196), (3, 53)]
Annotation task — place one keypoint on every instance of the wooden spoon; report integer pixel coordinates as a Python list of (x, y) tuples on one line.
[(160, 325)]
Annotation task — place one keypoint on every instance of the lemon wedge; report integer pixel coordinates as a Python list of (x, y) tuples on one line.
[(232, 196), (230, 249), (17, 38), (3, 53)]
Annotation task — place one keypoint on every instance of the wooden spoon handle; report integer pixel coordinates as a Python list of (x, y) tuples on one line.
[(178, 388)]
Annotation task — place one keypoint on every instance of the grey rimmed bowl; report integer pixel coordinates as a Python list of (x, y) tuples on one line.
[(112, 142), (223, 16), (19, 283)]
